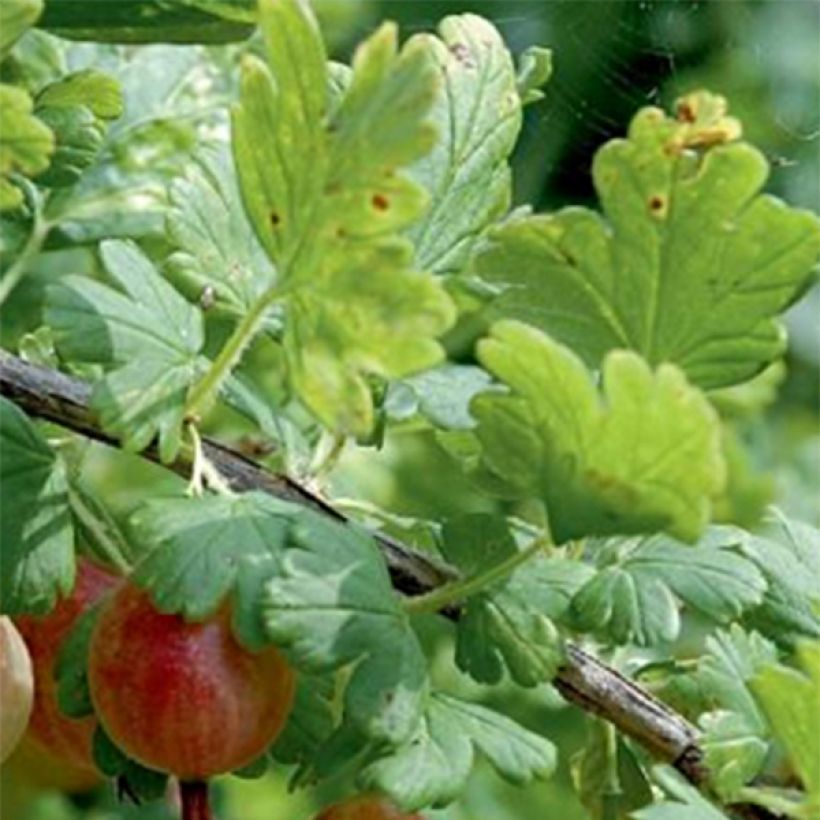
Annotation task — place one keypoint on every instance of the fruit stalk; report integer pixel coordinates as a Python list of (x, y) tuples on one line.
[(193, 795)]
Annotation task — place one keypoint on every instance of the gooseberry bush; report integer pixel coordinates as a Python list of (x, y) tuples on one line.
[(256, 266)]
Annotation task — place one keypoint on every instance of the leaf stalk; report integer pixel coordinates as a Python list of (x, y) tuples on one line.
[(452, 593)]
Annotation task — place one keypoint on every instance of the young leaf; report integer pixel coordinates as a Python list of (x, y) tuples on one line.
[(79, 135), (733, 658), (685, 225), (432, 768), (26, 144), (791, 702), (331, 604), (327, 200), (37, 555), (146, 335), (217, 247), (734, 752), (208, 548), (97, 91), (477, 113), (641, 455), (16, 17), (634, 596)]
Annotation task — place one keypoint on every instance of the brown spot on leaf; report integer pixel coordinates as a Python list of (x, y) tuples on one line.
[(463, 55), (275, 219), (380, 202), (685, 112)]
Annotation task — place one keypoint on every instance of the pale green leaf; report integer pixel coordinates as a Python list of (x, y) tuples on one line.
[(433, 767), (146, 335), (734, 752), (641, 582), (684, 225), (218, 256), (37, 555), (534, 70), (97, 91), (330, 604), (477, 114), (641, 454), (327, 195), (791, 702)]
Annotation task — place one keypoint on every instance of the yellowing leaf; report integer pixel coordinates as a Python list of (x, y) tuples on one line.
[(640, 455), (689, 263)]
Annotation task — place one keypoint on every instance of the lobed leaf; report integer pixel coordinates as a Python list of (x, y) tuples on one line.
[(218, 255), (634, 597), (208, 549), (146, 335), (477, 114), (433, 767), (322, 181), (641, 455), (37, 536), (331, 605), (684, 224)]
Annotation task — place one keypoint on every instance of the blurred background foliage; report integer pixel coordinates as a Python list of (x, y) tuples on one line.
[(610, 58)]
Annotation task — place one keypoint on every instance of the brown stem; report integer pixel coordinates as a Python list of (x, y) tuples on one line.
[(193, 795), (582, 680)]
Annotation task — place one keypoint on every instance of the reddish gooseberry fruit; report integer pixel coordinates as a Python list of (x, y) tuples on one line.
[(59, 738), (16, 686), (365, 807), (184, 698)]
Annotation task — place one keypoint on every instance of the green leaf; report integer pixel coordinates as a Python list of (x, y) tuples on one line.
[(97, 91), (37, 555), (684, 225), (145, 784), (16, 17), (477, 113), (642, 454), (734, 752), (309, 725), (590, 768), (146, 335), (443, 394), (433, 767), (217, 248), (689, 804), (790, 609), (208, 548), (733, 658), (330, 605), (791, 702), (26, 144), (80, 136), (511, 623), (634, 597), (327, 200)]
